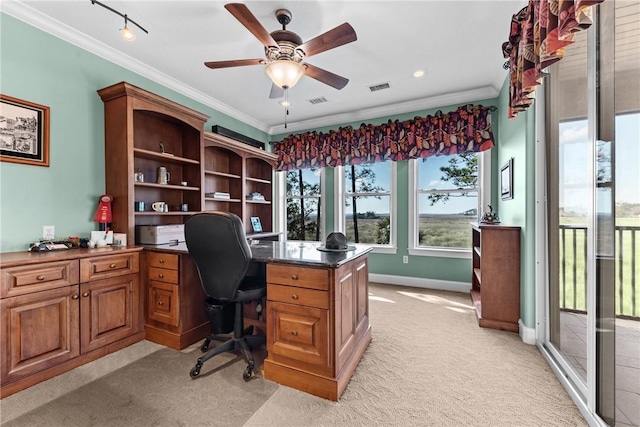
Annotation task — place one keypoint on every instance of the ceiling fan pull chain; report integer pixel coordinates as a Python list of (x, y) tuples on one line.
[(286, 105)]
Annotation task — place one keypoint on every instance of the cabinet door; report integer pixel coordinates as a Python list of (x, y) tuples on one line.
[(298, 336), (361, 272), (109, 310), (39, 331), (164, 303), (346, 314)]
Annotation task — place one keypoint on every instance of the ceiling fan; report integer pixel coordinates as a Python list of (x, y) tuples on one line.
[(285, 51)]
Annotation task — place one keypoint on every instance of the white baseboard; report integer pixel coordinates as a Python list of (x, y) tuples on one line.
[(527, 335), (444, 285)]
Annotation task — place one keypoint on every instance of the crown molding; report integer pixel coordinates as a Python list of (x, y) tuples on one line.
[(35, 18), (473, 95)]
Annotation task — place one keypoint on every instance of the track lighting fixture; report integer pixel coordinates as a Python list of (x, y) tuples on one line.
[(127, 34)]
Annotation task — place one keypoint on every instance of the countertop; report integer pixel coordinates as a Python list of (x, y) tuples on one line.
[(301, 253), (10, 259)]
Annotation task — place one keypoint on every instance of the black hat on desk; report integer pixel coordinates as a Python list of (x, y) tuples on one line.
[(336, 242)]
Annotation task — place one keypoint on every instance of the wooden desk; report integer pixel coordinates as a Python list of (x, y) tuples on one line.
[(317, 314), (62, 309)]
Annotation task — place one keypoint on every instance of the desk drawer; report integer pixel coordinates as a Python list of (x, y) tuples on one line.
[(39, 277), (163, 260), (108, 266), (163, 275), (298, 296), (313, 278)]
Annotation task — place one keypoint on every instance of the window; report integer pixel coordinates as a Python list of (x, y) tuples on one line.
[(444, 201), (303, 195), (368, 208)]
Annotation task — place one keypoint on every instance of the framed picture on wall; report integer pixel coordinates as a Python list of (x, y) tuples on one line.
[(506, 180), (24, 132)]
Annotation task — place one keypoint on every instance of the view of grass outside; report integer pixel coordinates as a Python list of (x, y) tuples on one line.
[(572, 265)]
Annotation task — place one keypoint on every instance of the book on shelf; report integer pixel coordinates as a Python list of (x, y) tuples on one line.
[(218, 195)]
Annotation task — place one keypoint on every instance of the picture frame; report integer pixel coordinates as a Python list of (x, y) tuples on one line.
[(24, 132), (506, 180), (256, 224)]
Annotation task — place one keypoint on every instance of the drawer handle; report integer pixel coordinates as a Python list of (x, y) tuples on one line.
[(161, 276), (161, 261), (294, 296), (112, 266), (85, 294), (294, 277), (41, 277), (294, 333), (74, 296), (160, 303)]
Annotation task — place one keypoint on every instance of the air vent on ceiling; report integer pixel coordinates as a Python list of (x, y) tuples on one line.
[(318, 100), (380, 86)]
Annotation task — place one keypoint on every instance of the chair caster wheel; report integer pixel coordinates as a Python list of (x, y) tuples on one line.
[(195, 371), (248, 374), (205, 346)]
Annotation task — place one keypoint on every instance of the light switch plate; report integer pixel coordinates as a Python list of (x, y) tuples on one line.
[(49, 232)]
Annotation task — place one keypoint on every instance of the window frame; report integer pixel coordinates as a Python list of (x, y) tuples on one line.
[(484, 199), (340, 211)]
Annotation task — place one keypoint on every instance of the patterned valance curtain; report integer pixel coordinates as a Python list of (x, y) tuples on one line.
[(538, 36), (467, 129)]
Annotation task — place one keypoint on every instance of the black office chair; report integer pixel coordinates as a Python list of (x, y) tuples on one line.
[(229, 277)]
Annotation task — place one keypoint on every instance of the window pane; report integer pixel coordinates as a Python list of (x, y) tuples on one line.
[(374, 177), (303, 201), (446, 225), (448, 172), (303, 182), (367, 219)]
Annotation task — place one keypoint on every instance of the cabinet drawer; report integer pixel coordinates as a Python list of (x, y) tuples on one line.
[(298, 296), (163, 260), (35, 278), (108, 266), (299, 337), (314, 278), (164, 303), (163, 275)]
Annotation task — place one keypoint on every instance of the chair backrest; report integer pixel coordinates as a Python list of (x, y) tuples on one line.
[(218, 245)]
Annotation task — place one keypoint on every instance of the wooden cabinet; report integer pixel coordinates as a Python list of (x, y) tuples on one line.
[(143, 132), (238, 170), (61, 310), (176, 316), (318, 325), (495, 281)]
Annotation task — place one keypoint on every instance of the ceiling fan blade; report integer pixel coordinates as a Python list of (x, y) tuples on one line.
[(325, 76), (233, 63), (340, 35), (246, 18), (276, 92)]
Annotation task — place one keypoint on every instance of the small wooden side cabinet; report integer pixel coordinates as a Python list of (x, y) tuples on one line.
[(495, 281), (60, 310)]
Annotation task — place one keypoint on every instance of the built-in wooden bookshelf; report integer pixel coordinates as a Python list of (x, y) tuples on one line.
[(495, 279)]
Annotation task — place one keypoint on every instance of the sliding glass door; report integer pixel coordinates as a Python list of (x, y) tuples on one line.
[(593, 187)]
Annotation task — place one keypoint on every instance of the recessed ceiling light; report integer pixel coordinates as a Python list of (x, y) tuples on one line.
[(285, 103), (418, 73)]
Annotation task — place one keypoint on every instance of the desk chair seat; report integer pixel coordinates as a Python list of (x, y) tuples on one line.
[(229, 277)]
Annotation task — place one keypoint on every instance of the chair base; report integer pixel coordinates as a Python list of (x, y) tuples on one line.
[(242, 340)]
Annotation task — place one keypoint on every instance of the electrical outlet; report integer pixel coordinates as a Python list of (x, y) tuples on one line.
[(48, 232), (405, 259)]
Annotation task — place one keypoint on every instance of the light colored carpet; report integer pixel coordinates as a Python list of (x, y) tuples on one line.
[(428, 364)]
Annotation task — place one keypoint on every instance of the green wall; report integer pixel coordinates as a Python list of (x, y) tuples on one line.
[(37, 67)]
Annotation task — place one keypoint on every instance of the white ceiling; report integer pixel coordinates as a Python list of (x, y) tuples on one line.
[(457, 43)]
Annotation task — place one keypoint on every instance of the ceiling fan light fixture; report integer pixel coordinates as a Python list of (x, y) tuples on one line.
[(284, 73)]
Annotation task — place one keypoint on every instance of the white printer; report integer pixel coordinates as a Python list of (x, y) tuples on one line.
[(160, 234)]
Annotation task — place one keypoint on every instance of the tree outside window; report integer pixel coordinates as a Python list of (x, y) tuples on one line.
[(367, 203), (303, 204)]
